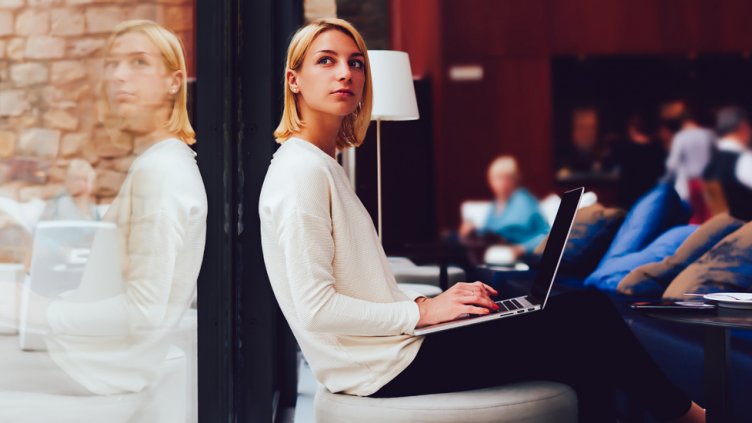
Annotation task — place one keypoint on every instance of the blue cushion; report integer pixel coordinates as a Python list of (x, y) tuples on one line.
[(652, 279), (725, 267), (654, 213), (609, 274)]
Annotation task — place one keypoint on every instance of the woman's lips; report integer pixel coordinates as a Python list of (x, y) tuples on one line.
[(122, 95), (344, 93)]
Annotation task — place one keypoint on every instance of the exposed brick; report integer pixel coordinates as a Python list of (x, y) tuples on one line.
[(66, 71), (25, 74), (15, 49), (112, 145), (2, 49), (6, 23), (60, 119), (85, 46), (13, 102), (103, 18), (33, 22), (66, 21), (39, 142), (95, 67), (44, 3), (43, 47), (144, 11), (73, 144), (57, 172), (11, 4), (176, 18), (7, 144)]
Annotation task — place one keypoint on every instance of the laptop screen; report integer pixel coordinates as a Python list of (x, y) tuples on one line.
[(557, 239)]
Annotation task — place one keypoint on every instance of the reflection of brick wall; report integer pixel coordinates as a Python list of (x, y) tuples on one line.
[(49, 68)]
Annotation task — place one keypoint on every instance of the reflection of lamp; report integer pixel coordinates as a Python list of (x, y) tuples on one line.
[(393, 98)]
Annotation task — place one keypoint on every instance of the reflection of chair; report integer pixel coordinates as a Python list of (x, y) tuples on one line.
[(422, 279), (162, 402), (10, 276), (529, 402)]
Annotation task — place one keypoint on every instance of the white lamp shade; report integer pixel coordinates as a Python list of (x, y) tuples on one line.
[(393, 90)]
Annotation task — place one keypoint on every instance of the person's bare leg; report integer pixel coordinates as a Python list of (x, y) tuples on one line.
[(696, 414)]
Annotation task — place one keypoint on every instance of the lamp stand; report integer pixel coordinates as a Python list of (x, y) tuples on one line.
[(378, 174)]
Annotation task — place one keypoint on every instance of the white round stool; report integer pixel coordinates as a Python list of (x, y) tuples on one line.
[(528, 402)]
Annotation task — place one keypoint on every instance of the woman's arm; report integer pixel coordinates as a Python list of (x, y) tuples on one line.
[(308, 247)]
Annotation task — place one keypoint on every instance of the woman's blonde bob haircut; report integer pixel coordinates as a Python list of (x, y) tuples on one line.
[(172, 54), (354, 126)]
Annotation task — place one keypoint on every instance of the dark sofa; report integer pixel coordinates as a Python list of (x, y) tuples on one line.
[(676, 347)]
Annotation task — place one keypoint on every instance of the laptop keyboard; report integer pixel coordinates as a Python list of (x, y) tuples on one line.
[(509, 305)]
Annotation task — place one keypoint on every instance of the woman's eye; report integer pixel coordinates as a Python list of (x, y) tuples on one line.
[(357, 64), (325, 60)]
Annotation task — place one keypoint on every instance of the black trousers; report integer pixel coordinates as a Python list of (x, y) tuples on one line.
[(579, 339)]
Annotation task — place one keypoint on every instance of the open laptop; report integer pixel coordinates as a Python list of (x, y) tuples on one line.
[(74, 260), (544, 279)]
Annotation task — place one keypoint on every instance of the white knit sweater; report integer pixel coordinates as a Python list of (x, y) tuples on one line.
[(330, 275), (160, 212)]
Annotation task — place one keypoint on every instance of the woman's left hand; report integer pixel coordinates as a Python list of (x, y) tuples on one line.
[(462, 298)]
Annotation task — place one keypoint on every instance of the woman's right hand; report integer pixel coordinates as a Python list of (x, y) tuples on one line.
[(462, 298)]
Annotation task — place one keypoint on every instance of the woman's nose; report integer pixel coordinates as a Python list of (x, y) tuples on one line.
[(120, 72), (345, 73)]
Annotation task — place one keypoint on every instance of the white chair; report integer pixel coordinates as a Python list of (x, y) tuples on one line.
[(162, 402), (11, 275), (422, 279), (528, 402)]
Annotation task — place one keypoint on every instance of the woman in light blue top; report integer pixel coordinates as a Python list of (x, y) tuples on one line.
[(514, 215)]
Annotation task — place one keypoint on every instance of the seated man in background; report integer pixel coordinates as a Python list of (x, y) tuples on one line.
[(723, 189), (514, 218), (75, 203)]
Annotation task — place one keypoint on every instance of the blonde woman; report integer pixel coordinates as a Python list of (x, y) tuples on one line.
[(335, 288), (117, 344)]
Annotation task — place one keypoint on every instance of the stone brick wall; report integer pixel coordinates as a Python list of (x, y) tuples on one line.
[(50, 66)]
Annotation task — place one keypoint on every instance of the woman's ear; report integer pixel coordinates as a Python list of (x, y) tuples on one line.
[(292, 80), (175, 82)]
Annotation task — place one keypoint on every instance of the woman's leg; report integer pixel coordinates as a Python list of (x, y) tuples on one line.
[(579, 339)]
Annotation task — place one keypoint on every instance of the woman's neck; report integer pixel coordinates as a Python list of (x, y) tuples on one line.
[(150, 129), (321, 130)]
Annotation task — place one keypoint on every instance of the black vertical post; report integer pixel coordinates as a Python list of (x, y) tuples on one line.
[(215, 128), (242, 340)]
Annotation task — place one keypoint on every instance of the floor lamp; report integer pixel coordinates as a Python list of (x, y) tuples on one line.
[(393, 99)]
